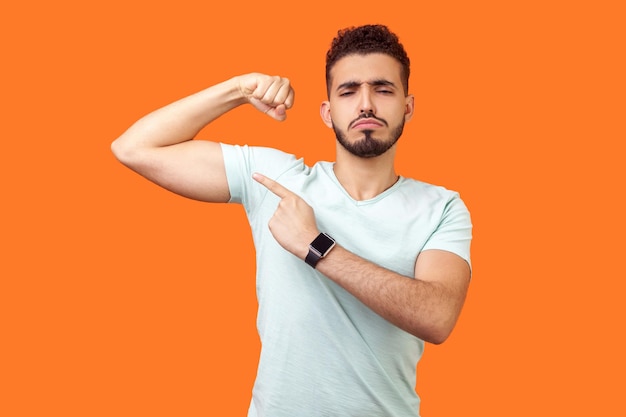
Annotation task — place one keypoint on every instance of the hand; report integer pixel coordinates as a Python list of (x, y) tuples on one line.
[(293, 224), (270, 95)]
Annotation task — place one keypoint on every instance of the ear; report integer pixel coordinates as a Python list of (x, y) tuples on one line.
[(325, 114), (409, 107)]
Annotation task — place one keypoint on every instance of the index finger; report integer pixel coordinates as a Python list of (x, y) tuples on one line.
[(271, 185)]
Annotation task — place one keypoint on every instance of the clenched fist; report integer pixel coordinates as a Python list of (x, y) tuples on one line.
[(272, 95)]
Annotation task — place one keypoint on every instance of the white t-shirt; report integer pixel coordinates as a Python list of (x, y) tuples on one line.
[(324, 353)]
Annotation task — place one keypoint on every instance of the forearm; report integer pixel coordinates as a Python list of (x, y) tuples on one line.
[(182, 120), (426, 309)]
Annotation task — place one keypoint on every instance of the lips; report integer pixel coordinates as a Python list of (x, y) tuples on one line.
[(367, 123)]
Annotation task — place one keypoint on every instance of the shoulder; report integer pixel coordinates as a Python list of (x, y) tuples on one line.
[(255, 153), (267, 161), (241, 161), (439, 204), (426, 192)]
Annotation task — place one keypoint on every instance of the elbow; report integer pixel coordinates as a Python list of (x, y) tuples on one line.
[(123, 152), (118, 149), (438, 337), (437, 333)]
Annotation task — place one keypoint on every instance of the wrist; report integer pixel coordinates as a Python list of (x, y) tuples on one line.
[(236, 90), (319, 248), (305, 244)]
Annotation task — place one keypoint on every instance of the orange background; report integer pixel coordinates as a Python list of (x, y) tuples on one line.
[(118, 298)]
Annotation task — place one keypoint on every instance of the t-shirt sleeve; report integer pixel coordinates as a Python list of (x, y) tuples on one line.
[(454, 232), (243, 161)]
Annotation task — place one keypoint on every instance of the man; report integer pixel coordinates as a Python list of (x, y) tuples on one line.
[(356, 266)]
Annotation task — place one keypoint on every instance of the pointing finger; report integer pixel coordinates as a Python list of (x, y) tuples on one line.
[(271, 185)]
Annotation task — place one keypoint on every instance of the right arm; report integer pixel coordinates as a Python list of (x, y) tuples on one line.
[(160, 145)]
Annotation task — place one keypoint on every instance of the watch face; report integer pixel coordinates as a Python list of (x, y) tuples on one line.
[(323, 243)]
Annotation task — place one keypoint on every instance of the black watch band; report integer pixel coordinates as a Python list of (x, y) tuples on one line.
[(319, 248)]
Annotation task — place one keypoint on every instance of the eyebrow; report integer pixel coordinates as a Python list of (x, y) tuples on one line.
[(375, 83)]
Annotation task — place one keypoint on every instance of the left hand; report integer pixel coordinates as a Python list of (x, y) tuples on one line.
[(293, 224)]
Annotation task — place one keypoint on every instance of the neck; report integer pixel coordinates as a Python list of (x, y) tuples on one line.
[(365, 178)]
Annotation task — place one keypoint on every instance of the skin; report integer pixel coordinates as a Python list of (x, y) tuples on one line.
[(160, 147)]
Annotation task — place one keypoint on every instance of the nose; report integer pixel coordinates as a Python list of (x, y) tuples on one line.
[(366, 105)]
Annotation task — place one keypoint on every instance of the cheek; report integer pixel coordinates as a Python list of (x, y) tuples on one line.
[(339, 120), (400, 113)]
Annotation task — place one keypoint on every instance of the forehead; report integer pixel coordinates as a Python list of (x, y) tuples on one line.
[(363, 68)]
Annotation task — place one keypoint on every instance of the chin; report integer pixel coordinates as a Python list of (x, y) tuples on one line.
[(367, 146)]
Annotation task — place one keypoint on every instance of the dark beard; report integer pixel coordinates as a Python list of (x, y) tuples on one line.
[(368, 146)]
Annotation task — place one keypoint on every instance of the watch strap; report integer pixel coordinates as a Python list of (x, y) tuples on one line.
[(313, 257)]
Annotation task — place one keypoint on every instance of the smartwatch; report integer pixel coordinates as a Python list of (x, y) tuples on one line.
[(319, 248)]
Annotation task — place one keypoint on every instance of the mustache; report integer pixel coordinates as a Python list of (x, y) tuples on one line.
[(368, 116)]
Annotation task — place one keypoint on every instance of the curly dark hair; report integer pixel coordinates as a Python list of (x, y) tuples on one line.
[(365, 40)]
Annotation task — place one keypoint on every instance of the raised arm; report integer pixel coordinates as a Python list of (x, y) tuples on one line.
[(160, 145)]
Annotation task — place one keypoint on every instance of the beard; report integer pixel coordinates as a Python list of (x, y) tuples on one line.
[(369, 146)]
